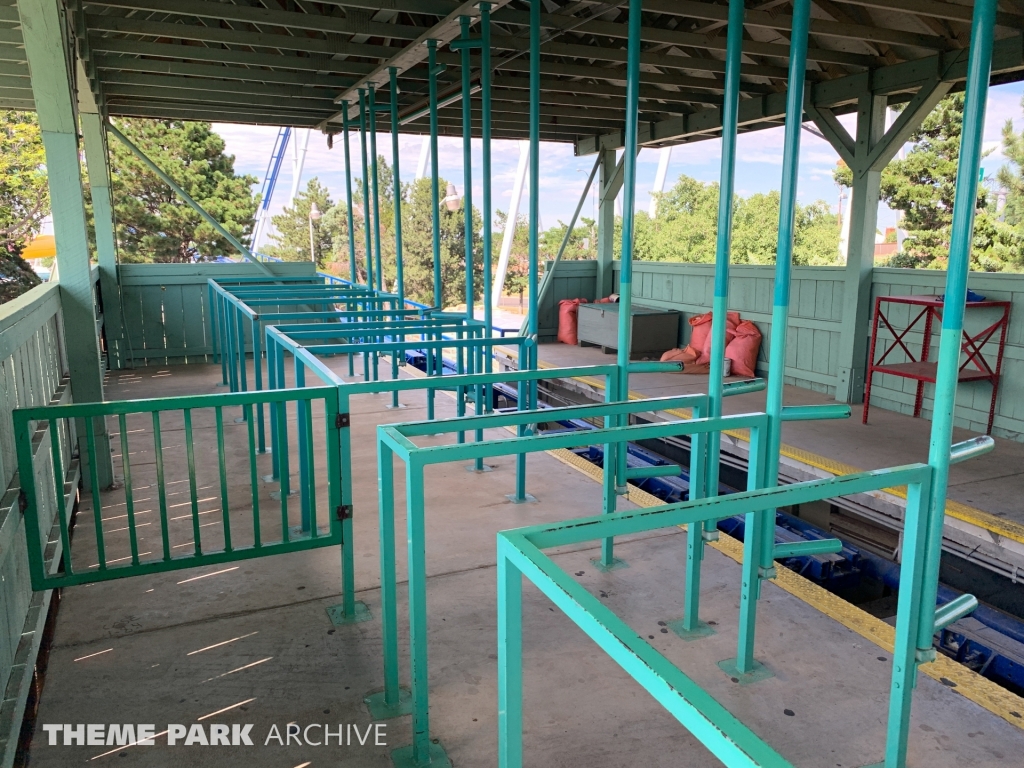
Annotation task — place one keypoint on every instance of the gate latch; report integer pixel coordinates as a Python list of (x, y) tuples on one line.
[(342, 420), (344, 511)]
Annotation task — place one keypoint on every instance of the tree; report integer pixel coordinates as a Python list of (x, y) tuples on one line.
[(923, 187), (417, 248), (582, 242), (687, 224), (153, 223), (291, 236), (517, 273), (24, 198), (1011, 181)]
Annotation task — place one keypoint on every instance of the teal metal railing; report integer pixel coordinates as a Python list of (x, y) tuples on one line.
[(233, 521)]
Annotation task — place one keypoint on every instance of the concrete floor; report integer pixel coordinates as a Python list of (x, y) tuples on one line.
[(993, 483), (139, 650)]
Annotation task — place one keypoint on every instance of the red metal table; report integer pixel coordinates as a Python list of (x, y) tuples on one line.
[(919, 367)]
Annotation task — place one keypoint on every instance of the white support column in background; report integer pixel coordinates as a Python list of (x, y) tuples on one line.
[(510, 223), (421, 164), (299, 148), (659, 180)]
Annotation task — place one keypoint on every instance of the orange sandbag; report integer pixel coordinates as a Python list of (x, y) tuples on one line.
[(568, 309), (732, 319), (742, 350), (701, 327), (605, 300), (686, 356)]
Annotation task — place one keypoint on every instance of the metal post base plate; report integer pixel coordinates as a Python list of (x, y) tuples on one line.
[(276, 495), (757, 674), (615, 564), (402, 758), (527, 499), (336, 613), (472, 468), (381, 710), (703, 629)]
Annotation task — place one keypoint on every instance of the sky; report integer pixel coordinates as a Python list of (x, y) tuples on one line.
[(758, 167)]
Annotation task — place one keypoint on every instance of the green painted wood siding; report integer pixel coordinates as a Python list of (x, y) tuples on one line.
[(812, 341), (972, 402), (165, 309), (571, 280), (816, 319), (33, 367)]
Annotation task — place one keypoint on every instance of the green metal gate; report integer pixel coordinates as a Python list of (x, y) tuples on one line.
[(178, 507)]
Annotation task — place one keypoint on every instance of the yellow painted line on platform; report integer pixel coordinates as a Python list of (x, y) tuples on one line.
[(964, 681), (1007, 529)]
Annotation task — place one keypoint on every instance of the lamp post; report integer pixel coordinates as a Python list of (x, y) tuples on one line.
[(314, 215), (452, 201)]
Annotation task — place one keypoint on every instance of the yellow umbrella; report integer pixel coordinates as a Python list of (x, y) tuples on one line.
[(42, 247)]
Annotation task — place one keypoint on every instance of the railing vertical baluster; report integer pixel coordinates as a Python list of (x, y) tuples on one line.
[(58, 485), (305, 451), (282, 442), (129, 502), (254, 479), (222, 463), (158, 451), (310, 478), (194, 495), (257, 361), (273, 350), (97, 507)]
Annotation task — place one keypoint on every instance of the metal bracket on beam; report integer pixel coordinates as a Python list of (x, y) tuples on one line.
[(955, 610), (807, 548), (664, 470)]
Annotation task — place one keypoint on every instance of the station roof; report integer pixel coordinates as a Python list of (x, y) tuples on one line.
[(291, 62)]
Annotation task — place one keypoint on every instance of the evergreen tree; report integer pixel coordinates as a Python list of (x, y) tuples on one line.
[(418, 254), (290, 240), (923, 187), (24, 198), (687, 224), (1011, 181), (153, 223)]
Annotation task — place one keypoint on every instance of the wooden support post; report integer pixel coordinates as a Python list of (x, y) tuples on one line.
[(46, 48), (606, 223), (867, 156), (96, 159)]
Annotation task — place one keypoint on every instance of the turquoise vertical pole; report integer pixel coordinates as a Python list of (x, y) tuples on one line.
[(922, 545), (528, 356), (784, 258), (759, 541), (535, 8), (697, 532), (978, 72), (435, 197), (348, 196), (388, 599), (366, 190), (628, 216), (720, 304), (396, 175), (400, 277), (371, 114), (510, 660), (418, 613), (485, 136), (467, 168)]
